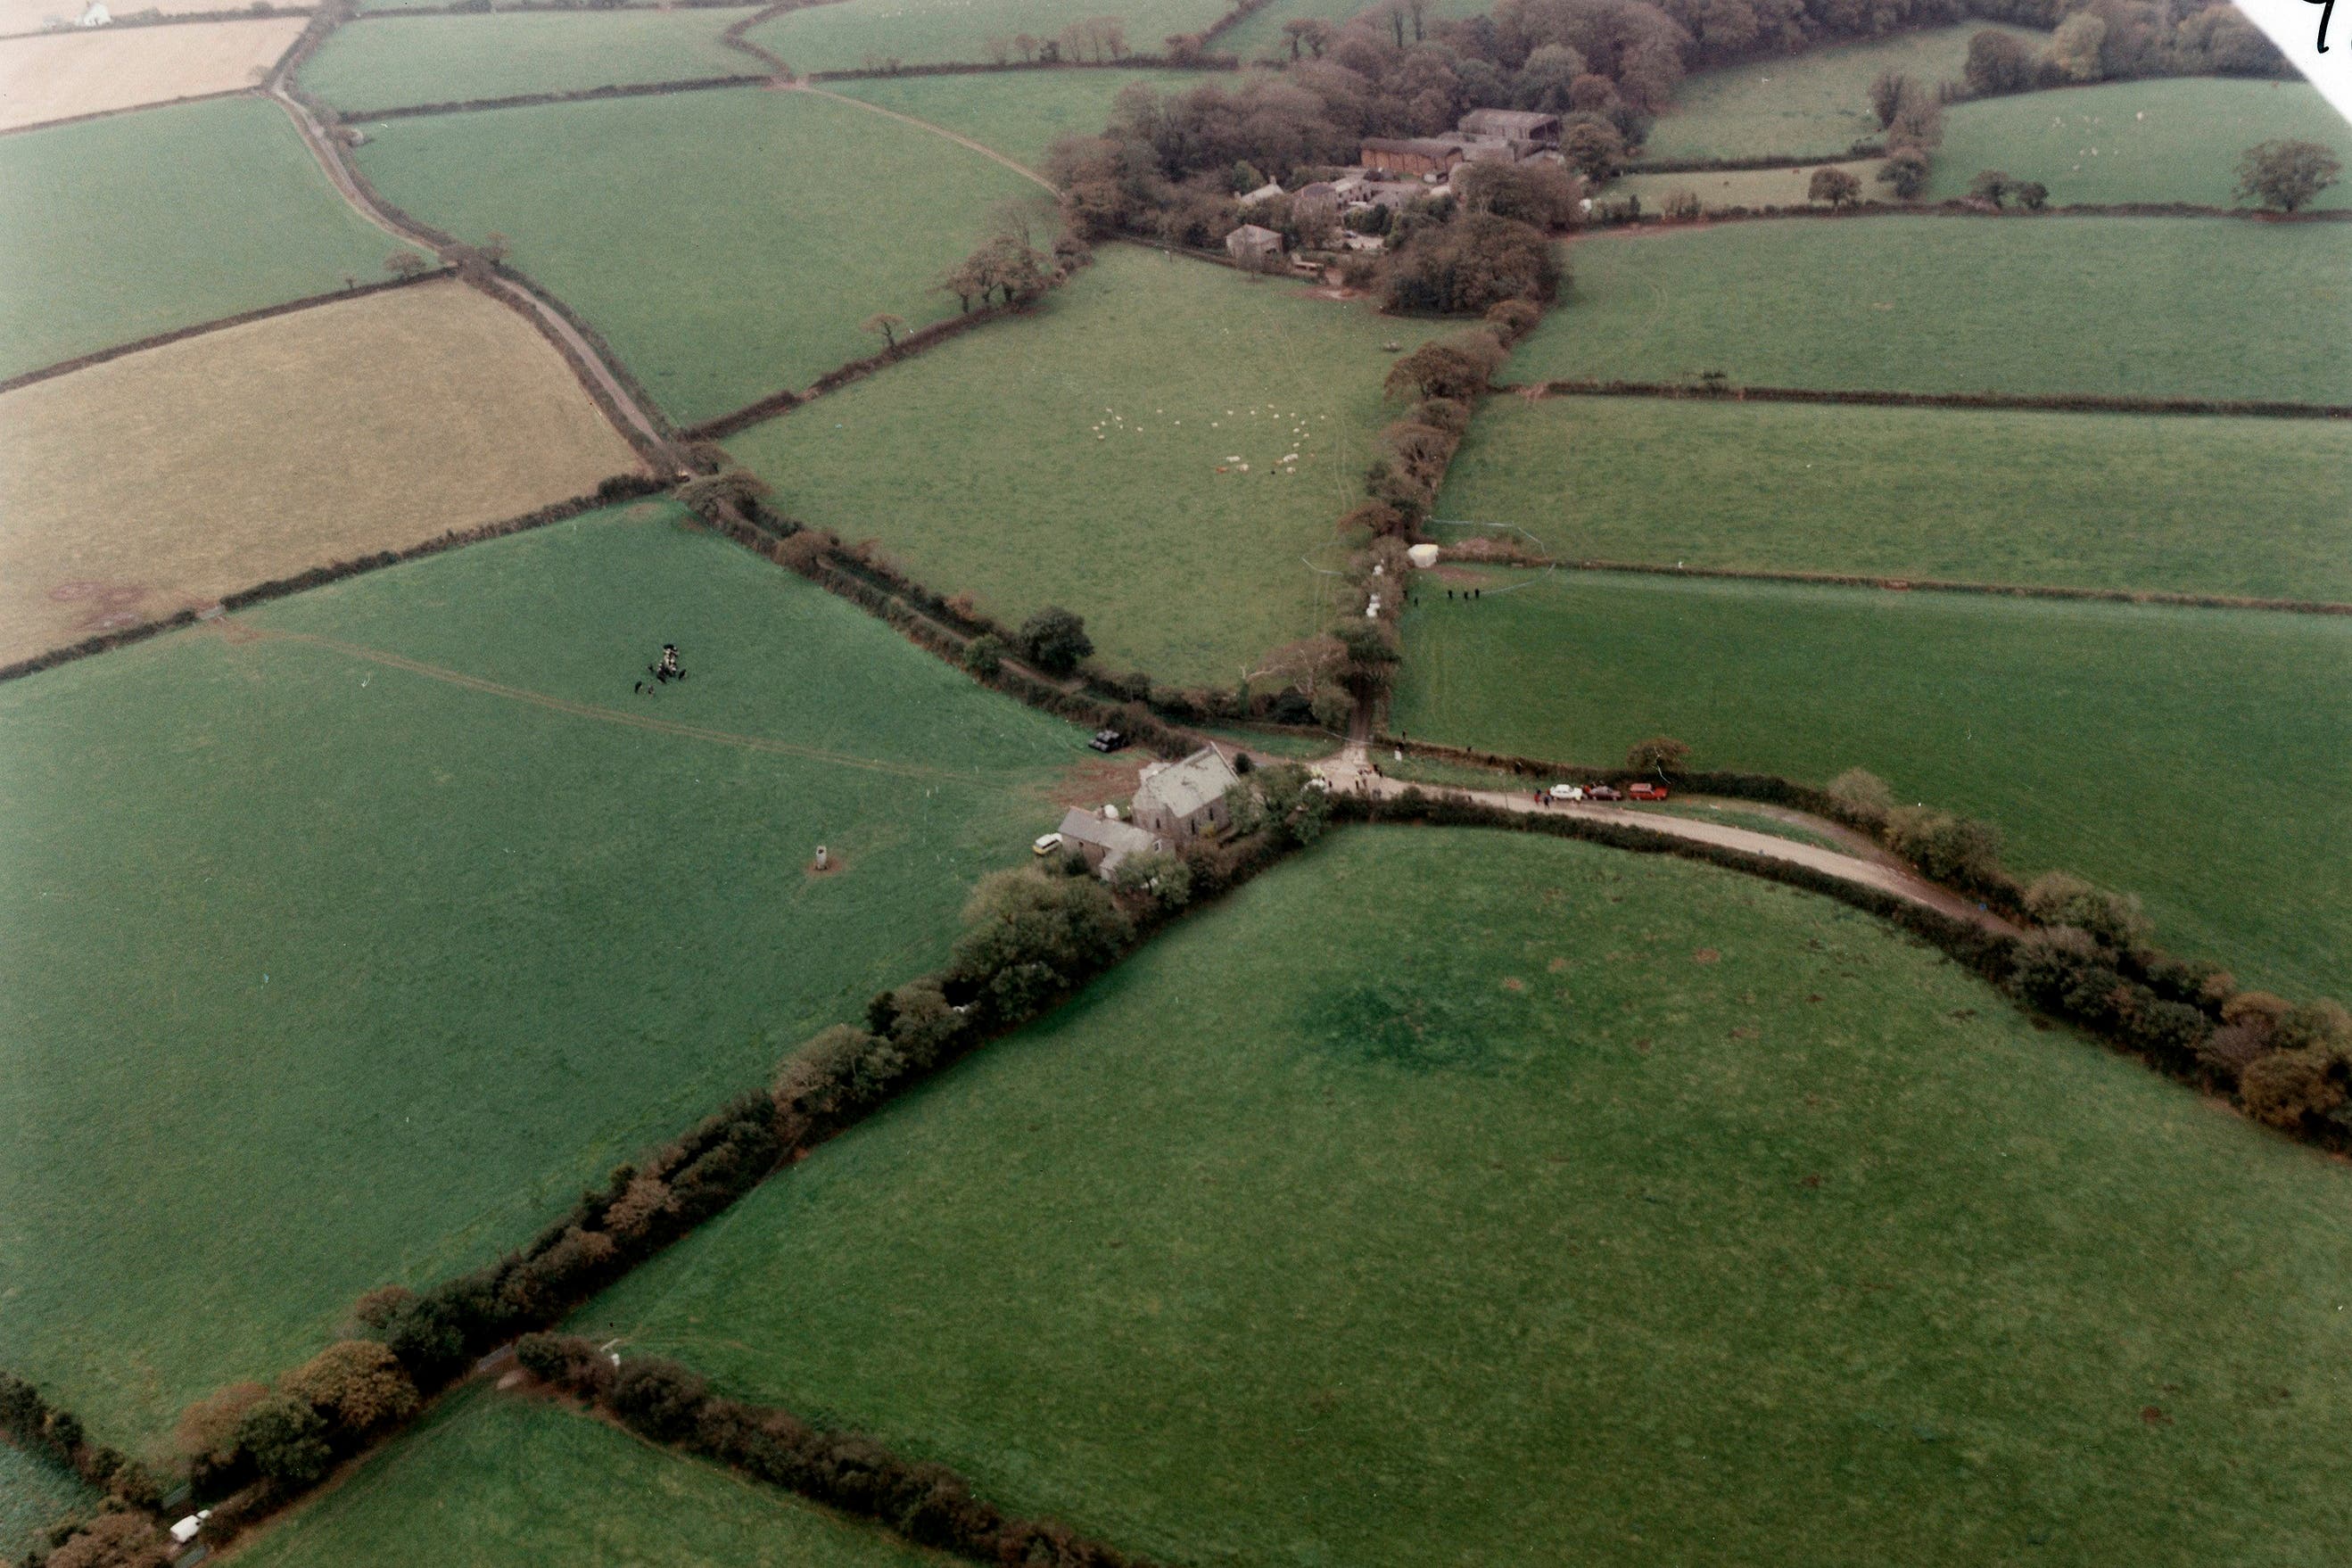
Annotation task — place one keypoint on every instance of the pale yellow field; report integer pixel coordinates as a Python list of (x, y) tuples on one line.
[(33, 15), (56, 76), (165, 479)]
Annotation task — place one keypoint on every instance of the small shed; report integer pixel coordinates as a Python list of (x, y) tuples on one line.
[(1264, 192), (1251, 243)]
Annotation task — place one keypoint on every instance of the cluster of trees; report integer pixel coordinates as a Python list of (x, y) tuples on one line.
[(1008, 267), (925, 1502), (124, 1536), (2091, 958), (1911, 113), (289, 1436), (1096, 38), (2111, 40), (259, 1448)]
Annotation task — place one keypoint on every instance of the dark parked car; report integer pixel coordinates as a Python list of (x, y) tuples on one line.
[(1108, 741), (1603, 792)]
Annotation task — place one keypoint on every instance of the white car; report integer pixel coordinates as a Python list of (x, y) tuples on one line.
[(1568, 791), (1046, 844)]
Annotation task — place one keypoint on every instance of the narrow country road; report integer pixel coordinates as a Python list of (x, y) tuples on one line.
[(1351, 770), (329, 155)]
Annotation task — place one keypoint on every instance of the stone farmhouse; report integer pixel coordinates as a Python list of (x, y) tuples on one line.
[(1185, 800)]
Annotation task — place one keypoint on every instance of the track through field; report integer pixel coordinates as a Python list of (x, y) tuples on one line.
[(241, 632)]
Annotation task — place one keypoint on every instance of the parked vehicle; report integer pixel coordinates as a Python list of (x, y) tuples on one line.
[(1568, 791), (1046, 844), (1108, 741), (1605, 791), (1645, 792)]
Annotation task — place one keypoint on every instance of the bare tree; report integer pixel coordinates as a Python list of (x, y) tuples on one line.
[(889, 325)]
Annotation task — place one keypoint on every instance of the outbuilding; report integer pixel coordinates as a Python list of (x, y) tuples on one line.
[(1104, 841), (1251, 243), (1420, 155)]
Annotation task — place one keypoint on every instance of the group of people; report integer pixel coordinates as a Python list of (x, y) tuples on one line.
[(665, 669)]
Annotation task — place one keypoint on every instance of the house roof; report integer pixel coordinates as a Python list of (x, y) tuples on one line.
[(1508, 122), (1183, 787), (1264, 192), (1118, 840), (1421, 146)]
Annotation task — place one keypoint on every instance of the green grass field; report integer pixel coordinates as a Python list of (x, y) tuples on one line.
[(865, 35), (1678, 1218), (1020, 113), (33, 1496), (1072, 458), (498, 1480), (2253, 507), (2166, 141), (139, 223), (725, 244), (1751, 189), (2195, 757), (326, 972), (1961, 304), (1258, 36), (452, 59), (1812, 105)]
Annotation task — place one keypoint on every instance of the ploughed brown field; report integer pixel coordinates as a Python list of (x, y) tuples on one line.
[(169, 478), (58, 76)]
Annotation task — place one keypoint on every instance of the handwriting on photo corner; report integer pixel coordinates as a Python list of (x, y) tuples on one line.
[(2326, 10)]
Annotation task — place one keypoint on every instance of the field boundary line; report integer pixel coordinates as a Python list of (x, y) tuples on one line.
[(243, 318), (127, 109), (613, 390), (732, 36), (1950, 206), (240, 632), (541, 99), (619, 488), (1023, 170), (2158, 597), (170, 19), (2040, 403), (775, 404)]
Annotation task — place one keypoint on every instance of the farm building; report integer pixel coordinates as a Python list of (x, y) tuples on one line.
[(1264, 192), (1485, 149), (1411, 155), (1104, 841), (1251, 243), (1185, 799), (1525, 128)]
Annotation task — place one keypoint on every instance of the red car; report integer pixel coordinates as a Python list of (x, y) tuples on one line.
[(1645, 792)]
